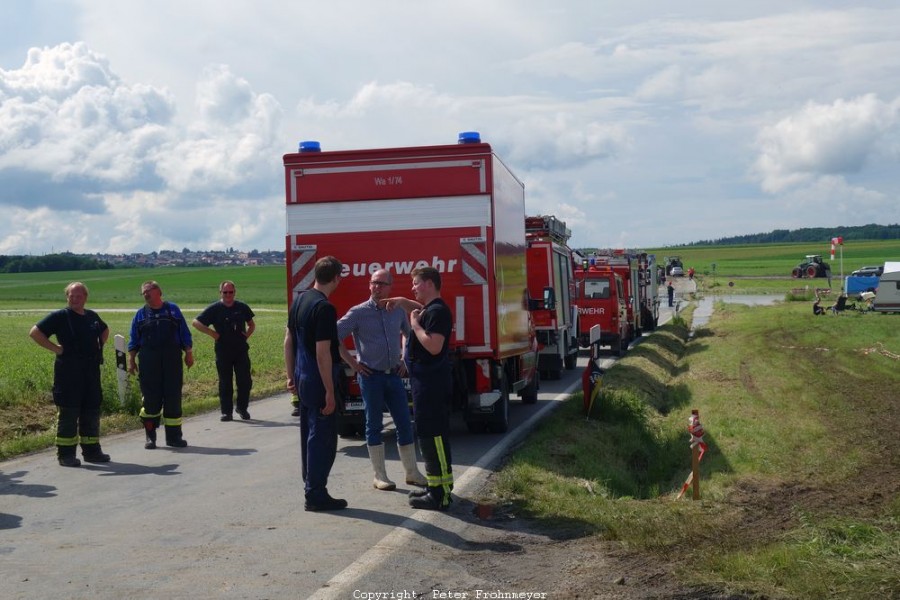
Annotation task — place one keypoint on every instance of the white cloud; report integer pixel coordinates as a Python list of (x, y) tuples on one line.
[(819, 140), (70, 129), (229, 149), (140, 126)]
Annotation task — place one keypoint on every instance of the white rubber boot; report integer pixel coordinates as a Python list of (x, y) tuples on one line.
[(408, 458), (376, 455)]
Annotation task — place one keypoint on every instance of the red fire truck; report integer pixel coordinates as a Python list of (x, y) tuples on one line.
[(551, 286), (600, 297), (640, 295), (456, 208)]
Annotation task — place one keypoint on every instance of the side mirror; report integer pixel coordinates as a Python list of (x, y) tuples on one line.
[(549, 298)]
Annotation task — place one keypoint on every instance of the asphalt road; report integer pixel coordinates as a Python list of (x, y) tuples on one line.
[(224, 518)]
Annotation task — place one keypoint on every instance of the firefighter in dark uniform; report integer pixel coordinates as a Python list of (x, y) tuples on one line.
[(159, 334), (431, 383), (230, 323), (312, 362), (80, 335)]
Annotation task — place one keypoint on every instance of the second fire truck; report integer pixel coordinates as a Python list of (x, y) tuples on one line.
[(551, 287)]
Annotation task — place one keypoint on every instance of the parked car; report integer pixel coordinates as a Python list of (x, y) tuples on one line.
[(677, 272), (868, 272)]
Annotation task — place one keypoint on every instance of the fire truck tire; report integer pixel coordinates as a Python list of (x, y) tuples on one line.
[(475, 426), (348, 430), (500, 421), (529, 393), (571, 360)]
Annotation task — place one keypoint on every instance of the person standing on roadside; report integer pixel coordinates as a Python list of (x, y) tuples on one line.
[(80, 335), (670, 288), (377, 334), (312, 362), (431, 381), (232, 325), (159, 334)]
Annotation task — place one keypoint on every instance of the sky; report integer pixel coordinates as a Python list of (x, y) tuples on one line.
[(130, 126)]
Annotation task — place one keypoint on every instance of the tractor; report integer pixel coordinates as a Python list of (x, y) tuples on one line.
[(812, 266)]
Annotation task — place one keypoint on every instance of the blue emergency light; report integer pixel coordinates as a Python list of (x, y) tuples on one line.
[(310, 146), (469, 137)]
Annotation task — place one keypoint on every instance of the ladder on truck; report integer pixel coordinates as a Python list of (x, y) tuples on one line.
[(547, 226)]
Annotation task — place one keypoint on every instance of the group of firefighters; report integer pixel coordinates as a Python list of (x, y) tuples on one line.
[(161, 345)]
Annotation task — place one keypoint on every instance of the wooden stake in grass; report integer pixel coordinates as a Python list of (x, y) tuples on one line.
[(698, 449)]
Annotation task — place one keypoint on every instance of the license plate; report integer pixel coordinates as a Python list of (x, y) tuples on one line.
[(353, 406)]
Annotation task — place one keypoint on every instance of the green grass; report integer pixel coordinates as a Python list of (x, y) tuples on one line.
[(799, 488), (768, 260), (192, 287)]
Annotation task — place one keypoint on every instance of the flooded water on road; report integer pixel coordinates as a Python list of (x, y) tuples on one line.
[(705, 304)]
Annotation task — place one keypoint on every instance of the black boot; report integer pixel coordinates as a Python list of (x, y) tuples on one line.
[(418, 492), (433, 499), (324, 503), (173, 437), (150, 430), (66, 456), (92, 453)]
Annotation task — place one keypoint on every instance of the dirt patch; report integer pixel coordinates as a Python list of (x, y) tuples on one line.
[(513, 554)]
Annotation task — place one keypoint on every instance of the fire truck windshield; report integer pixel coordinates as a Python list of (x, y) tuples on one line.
[(596, 289)]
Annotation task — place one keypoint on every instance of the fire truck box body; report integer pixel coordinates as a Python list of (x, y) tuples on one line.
[(456, 208), (551, 287)]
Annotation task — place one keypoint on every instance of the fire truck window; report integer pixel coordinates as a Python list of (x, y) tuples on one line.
[(597, 290)]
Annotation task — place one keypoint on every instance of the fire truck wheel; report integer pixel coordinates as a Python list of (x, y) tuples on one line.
[(529, 393), (500, 421), (571, 360), (348, 430), (476, 426)]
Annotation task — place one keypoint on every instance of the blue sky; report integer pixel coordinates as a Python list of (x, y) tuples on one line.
[(137, 126)]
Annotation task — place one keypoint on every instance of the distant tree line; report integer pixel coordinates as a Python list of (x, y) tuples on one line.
[(809, 234), (51, 262)]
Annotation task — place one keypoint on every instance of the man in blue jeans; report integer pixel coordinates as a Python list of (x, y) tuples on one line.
[(377, 332), (312, 362)]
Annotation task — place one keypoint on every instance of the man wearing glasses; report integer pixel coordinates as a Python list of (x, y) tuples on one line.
[(230, 323), (377, 333)]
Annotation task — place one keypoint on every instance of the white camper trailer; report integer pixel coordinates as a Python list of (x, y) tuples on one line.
[(887, 296)]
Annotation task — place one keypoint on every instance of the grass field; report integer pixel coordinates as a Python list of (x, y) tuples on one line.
[(121, 288), (801, 484), (777, 260)]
